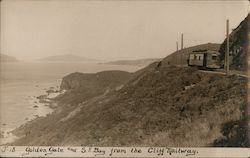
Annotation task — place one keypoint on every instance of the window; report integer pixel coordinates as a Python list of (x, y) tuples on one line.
[(214, 57), (191, 56)]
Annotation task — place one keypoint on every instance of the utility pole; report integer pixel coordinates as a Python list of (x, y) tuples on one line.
[(177, 47), (181, 55), (182, 41), (226, 67)]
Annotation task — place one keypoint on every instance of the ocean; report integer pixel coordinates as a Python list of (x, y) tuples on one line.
[(22, 82)]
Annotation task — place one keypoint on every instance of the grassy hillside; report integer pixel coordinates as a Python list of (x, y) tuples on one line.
[(163, 106)]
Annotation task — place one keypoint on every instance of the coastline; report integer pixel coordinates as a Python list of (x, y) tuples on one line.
[(83, 121), (43, 106), (36, 98)]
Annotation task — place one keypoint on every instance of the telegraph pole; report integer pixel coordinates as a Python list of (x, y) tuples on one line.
[(227, 50), (182, 41), (177, 47), (181, 49)]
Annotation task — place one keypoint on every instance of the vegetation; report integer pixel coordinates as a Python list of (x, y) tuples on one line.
[(148, 111)]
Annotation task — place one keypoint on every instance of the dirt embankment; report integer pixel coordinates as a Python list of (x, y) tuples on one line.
[(159, 106)]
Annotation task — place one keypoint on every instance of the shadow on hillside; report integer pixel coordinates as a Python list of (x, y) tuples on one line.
[(235, 134)]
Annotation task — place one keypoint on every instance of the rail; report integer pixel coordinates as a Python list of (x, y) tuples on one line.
[(231, 72)]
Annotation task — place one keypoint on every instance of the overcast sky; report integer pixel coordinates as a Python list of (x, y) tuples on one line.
[(112, 29)]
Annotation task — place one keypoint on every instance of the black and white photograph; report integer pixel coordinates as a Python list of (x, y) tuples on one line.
[(124, 73)]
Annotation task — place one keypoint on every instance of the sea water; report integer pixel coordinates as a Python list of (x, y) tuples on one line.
[(22, 82)]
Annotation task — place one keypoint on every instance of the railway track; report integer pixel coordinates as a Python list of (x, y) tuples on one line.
[(221, 71)]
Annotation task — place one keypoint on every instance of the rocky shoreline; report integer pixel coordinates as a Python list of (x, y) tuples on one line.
[(43, 105)]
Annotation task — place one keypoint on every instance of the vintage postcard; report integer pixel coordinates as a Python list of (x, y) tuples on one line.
[(124, 78)]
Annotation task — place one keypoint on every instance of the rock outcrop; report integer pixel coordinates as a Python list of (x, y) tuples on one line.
[(238, 46)]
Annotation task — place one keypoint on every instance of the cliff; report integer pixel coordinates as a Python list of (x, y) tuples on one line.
[(81, 86), (104, 79), (238, 46)]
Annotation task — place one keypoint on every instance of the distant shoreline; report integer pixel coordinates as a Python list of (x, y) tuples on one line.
[(136, 62)]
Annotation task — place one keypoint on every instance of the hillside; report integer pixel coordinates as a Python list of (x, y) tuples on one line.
[(139, 62), (201, 110), (81, 86), (67, 58), (7, 58), (238, 41)]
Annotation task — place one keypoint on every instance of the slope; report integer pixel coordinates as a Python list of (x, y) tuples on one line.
[(201, 110)]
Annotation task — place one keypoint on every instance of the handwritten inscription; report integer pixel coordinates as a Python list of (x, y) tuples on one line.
[(172, 151), (52, 151), (117, 151), (72, 149), (8, 149)]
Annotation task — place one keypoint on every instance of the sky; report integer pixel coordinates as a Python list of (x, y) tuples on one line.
[(113, 30)]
